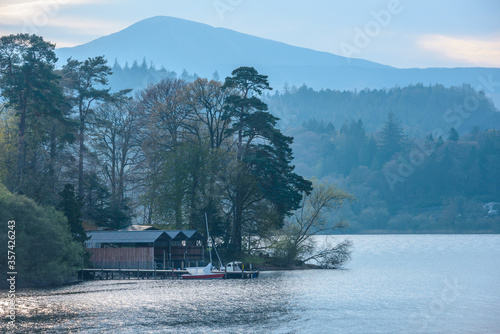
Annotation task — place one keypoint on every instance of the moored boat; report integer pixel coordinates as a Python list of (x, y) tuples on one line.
[(209, 276), (202, 273), (236, 269)]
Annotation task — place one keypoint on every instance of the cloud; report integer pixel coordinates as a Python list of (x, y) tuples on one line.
[(470, 51), (51, 19), (14, 12), (85, 25)]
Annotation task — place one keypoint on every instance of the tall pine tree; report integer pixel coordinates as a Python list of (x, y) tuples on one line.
[(84, 82), (31, 87), (392, 137), (263, 155)]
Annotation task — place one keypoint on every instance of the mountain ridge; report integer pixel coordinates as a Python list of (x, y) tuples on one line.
[(179, 44), (180, 31)]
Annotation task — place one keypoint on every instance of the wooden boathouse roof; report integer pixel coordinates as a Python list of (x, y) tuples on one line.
[(148, 236)]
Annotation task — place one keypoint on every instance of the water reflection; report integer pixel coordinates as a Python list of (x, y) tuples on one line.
[(158, 306), (394, 284)]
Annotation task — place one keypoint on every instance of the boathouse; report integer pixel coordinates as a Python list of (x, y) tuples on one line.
[(148, 249)]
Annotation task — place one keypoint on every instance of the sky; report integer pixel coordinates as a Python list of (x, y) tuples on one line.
[(399, 33)]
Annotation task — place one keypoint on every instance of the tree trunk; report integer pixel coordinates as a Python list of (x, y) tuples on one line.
[(149, 218), (80, 161), (178, 212), (193, 224), (114, 197), (53, 152), (121, 187), (21, 150), (237, 222), (239, 200)]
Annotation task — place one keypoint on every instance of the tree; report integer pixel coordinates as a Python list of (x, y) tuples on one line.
[(211, 144), (453, 135), (263, 172), (70, 206), (46, 254), (83, 81), (440, 142), (31, 87), (164, 117), (187, 127), (352, 142), (96, 201), (206, 101), (8, 147), (392, 137), (295, 242), (115, 141)]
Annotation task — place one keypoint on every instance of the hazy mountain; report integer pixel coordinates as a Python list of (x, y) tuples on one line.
[(179, 44)]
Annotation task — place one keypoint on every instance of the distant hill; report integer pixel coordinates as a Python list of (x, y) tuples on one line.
[(198, 48)]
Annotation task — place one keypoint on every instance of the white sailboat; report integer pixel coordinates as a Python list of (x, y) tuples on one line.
[(204, 272)]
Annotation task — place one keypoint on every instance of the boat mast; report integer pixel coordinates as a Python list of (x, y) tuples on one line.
[(209, 241)]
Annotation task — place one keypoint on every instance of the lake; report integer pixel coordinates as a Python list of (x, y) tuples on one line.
[(393, 284)]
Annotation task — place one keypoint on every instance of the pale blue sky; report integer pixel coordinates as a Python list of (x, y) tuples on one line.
[(401, 33)]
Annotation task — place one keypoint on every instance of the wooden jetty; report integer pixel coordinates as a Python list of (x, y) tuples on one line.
[(103, 273), (241, 274), (118, 274)]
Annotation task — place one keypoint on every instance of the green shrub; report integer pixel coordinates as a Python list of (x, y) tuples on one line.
[(45, 252)]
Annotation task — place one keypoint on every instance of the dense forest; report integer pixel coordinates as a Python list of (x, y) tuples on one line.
[(448, 183), (420, 109)]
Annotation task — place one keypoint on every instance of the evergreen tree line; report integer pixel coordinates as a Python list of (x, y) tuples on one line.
[(404, 184), (420, 108), (139, 76)]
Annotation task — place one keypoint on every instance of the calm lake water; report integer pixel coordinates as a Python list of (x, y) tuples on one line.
[(394, 284)]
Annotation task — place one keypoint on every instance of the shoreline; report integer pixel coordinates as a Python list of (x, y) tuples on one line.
[(288, 268), (384, 232)]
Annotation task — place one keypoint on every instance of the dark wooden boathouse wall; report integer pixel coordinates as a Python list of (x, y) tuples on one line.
[(150, 249), (123, 258)]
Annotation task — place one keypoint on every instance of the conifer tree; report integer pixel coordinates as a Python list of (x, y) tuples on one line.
[(392, 137), (84, 82), (263, 154), (70, 206), (31, 87), (453, 135)]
